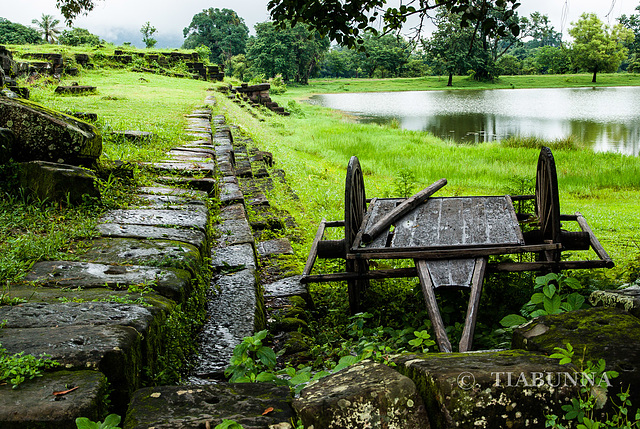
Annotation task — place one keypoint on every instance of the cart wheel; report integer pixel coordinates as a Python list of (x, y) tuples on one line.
[(547, 201), (355, 205)]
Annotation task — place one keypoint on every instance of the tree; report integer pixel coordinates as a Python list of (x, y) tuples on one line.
[(597, 47), (295, 53), (222, 30), (632, 22), (12, 33), (148, 31), (385, 55), (47, 25), (79, 36), (551, 60), (347, 21), (448, 48)]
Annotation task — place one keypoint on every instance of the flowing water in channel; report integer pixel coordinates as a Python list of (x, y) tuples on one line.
[(607, 119)]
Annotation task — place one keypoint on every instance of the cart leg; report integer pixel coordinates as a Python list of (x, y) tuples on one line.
[(356, 288), (432, 306), (474, 301)]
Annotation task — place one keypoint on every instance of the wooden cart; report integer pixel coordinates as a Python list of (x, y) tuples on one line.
[(450, 240)]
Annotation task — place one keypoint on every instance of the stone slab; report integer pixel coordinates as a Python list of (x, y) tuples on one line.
[(48, 135), (156, 253), (231, 316), (626, 299), (171, 202), (601, 333), (186, 168), (190, 150), (286, 287), (191, 236), (235, 232), (49, 181), (233, 212), (33, 404), (193, 218), (114, 350), (471, 390), (200, 406), (172, 283), (165, 190), (367, 394), (240, 255), (42, 315), (230, 193), (279, 246)]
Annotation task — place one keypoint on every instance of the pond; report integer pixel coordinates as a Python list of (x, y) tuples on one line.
[(607, 119)]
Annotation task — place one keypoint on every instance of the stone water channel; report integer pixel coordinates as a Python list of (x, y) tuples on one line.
[(106, 347)]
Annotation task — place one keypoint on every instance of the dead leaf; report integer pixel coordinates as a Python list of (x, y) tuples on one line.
[(64, 392), (267, 411)]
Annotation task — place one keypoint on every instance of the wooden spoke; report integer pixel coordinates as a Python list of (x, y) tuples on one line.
[(547, 201), (355, 206)]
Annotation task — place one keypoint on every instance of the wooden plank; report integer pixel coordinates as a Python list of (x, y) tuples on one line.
[(368, 275), (405, 207), (597, 247), (474, 302), (313, 252), (432, 306), (451, 272), (334, 224), (378, 210), (514, 219), (448, 252), (407, 226), (365, 220), (513, 267)]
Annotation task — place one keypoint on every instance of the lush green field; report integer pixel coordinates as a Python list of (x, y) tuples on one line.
[(314, 146)]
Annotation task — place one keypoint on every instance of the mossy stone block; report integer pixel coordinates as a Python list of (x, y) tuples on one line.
[(611, 334), (474, 390), (49, 135), (33, 406)]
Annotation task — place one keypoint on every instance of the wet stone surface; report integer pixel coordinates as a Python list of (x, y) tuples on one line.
[(192, 407), (41, 315), (170, 282), (240, 255), (231, 316), (280, 246), (157, 253), (192, 236), (286, 287), (171, 202), (33, 403), (163, 190), (192, 218)]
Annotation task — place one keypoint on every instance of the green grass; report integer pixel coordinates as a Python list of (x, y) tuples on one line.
[(314, 147), (427, 83)]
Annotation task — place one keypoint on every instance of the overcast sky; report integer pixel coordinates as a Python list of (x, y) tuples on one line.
[(118, 21)]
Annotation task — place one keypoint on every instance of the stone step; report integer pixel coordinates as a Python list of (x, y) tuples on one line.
[(191, 236), (172, 283), (33, 404), (200, 406)]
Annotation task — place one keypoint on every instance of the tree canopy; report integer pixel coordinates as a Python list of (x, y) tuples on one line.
[(293, 52), (347, 21), (12, 33), (597, 47), (48, 27), (78, 36), (222, 30)]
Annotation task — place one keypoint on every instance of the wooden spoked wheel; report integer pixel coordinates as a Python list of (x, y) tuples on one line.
[(355, 206), (547, 201)]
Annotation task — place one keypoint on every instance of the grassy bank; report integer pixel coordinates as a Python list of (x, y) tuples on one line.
[(430, 83)]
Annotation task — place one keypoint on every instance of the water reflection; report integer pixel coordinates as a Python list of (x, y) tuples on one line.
[(608, 119)]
